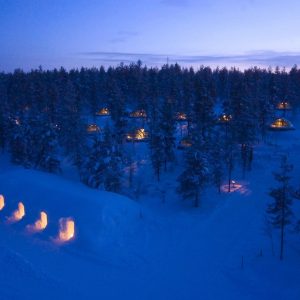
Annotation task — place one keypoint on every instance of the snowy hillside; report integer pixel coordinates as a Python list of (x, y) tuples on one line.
[(128, 250)]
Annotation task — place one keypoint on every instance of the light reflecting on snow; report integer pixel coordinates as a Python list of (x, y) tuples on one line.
[(66, 230), (40, 224), (18, 214), (239, 187), (2, 202)]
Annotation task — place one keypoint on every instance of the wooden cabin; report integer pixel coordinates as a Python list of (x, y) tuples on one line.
[(180, 116), (139, 135), (281, 124), (284, 105), (103, 112), (224, 118), (93, 128), (140, 113)]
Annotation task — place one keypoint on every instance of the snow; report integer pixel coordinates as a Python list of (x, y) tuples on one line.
[(124, 249)]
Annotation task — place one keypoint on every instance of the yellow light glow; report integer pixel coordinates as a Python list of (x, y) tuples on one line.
[(280, 123), (236, 187), (139, 135), (185, 143), (2, 202), (181, 116), (283, 105), (141, 113), (224, 118), (93, 128), (103, 112), (66, 229), (40, 224), (18, 214)]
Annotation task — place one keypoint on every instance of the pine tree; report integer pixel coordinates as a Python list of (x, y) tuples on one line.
[(93, 167), (196, 173), (4, 110), (17, 142), (279, 210), (157, 153), (113, 173), (114, 162), (217, 160), (44, 146), (167, 130), (71, 123), (202, 107)]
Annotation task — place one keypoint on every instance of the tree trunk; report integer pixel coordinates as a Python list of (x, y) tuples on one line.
[(282, 228), (229, 178)]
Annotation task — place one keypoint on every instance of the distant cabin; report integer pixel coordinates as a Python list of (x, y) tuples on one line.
[(93, 128), (139, 135), (140, 113), (184, 143), (284, 105), (180, 116), (224, 118), (103, 112), (281, 124)]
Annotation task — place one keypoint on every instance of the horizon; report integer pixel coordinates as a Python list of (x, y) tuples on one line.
[(236, 62)]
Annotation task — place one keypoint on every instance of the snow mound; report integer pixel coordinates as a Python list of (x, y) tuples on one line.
[(100, 217)]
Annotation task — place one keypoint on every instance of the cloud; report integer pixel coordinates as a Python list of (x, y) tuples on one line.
[(123, 36), (258, 58)]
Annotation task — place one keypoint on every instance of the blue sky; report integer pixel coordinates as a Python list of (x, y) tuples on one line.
[(192, 32)]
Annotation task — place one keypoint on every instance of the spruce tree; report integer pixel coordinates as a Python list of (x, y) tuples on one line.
[(167, 130), (217, 160), (279, 211), (196, 173), (113, 172), (94, 164), (157, 153)]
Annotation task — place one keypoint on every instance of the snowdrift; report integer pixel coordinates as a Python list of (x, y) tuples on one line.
[(100, 217)]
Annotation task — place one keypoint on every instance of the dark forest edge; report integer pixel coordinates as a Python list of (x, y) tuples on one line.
[(46, 116)]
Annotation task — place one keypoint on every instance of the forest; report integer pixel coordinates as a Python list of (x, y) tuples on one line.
[(212, 117)]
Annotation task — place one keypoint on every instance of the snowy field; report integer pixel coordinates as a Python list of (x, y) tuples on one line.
[(148, 249)]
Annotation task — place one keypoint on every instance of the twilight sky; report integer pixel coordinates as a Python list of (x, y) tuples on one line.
[(75, 33)]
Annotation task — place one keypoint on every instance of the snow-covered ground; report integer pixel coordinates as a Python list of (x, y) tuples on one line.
[(146, 249)]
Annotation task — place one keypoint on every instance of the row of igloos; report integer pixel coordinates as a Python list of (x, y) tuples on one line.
[(66, 225)]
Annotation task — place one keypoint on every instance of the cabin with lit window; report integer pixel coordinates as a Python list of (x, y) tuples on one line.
[(139, 135), (224, 119), (180, 117), (284, 105), (281, 124), (140, 113), (184, 144), (103, 112), (93, 128)]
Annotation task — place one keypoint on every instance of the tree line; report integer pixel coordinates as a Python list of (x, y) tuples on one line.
[(44, 115)]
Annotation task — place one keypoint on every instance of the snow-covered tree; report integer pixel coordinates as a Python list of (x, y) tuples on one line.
[(113, 172), (157, 152), (217, 160), (167, 130), (196, 174), (280, 211), (93, 166)]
